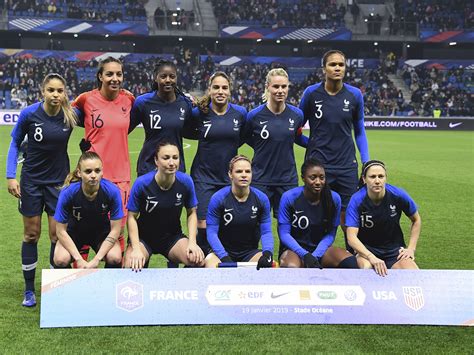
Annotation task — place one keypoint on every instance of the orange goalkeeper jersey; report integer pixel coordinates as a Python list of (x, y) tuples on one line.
[(106, 127)]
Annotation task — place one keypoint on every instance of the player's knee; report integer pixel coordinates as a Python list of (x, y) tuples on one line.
[(285, 262), (31, 236), (363, 263), (113, 258), (61, 263)]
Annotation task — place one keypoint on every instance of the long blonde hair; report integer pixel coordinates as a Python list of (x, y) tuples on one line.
[(271, 73), (70, 117), (73, 176), (205, 101)]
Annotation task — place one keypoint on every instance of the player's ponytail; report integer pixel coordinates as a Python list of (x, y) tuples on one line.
[(271, 73), (329, 209), (70, 117), (73, 176), (205, 101)]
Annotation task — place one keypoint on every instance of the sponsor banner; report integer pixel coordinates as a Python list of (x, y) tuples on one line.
[(9, 117), (248, 296), (427, 123)]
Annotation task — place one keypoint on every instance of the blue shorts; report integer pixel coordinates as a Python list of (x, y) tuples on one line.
[(344, 182), (162, 245), (388, 255), (204, 192), (274, 194), (245, 255), (38, 198)]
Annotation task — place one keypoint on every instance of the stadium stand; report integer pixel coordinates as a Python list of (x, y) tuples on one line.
[(449, 90)]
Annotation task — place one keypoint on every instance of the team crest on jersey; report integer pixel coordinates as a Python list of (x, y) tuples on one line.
[(182, 111), (178, 199), (254, 212), (346, 105), (105, 208), (393, 210), (292, 124), (236, 124)]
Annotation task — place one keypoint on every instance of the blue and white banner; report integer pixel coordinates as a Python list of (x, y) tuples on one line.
[(75, 298)]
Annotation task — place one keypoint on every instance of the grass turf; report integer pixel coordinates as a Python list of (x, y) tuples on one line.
[(436, 168)]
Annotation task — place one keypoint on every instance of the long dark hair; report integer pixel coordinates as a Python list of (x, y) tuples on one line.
[(329, 209)]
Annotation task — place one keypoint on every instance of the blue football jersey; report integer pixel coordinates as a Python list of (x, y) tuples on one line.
[(238, 226), (331, 120), (160, 210), (272, 137), (46, 160), (84, 217), (162, 121), (219, 139), (379, 225), (301, 225)]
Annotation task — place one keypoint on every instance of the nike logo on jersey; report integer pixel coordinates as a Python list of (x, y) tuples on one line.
[(95, 109), (228, 209), (318, 101), (263, 122), (38, 124), (154, 111), (297, 212), (150, 197), (452, 125), (206, 122), (65, 129), (277, 295), (104, 206)]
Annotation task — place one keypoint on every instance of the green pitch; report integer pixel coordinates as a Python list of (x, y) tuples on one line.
[(436, 168)]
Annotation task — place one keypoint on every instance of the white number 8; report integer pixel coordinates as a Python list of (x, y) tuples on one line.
[(38, 136)]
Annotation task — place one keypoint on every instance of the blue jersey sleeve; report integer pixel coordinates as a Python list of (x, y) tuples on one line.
[(188, 182), (304, 103), (61, 214), (212, 224), (135, 114), (12, 158), (133, 204), (300, 139), (284, 225), (191, 124), (265, 222), (116, 211), (352, 211), (408, 205), (328, 239), (359, 128)]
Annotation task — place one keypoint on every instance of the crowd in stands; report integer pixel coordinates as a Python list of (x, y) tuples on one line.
[(91, 10), (280, 13), (447, 90), (438, 15)]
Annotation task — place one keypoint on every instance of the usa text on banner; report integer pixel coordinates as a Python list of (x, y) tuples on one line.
[(248, 296)]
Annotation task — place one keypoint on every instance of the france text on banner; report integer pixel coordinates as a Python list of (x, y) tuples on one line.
[(248, 296)]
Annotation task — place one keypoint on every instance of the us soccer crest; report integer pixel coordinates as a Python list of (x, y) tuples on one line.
[(414, 297)]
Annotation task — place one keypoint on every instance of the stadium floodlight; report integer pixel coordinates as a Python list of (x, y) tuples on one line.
[(174, 23), (175, 14), (452, 43), (49, 33), (107, 35), (376, 43), (197, 23), (76, 35), (217, 42), (180, 39), (309, 41), (278, 41), (259, 40)]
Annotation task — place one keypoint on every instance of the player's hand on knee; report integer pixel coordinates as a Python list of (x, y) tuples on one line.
[(406, 253), (266, 260), (194, 253), (137, 260), (310, 261), (378, 265)]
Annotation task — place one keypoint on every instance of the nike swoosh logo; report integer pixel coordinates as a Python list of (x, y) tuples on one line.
[(150, 197), (153, 111), (317, 102), (228, 209), (95, 109), (65, 129), (298, 212), (277, 295), (452, 125), (38, 124), (206, 122), (263, 122)]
